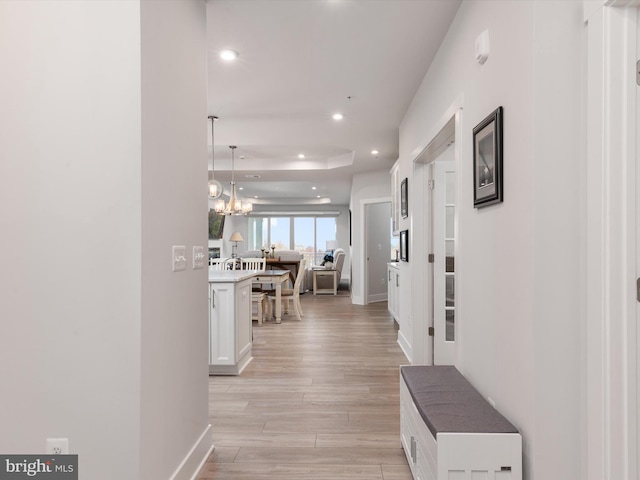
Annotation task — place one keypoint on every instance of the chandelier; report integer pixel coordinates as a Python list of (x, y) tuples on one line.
[(235, 206), (215, 187)]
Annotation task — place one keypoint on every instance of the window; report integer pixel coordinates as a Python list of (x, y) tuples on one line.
[(307, 235)]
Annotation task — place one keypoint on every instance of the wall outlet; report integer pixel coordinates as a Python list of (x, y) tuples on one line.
[(58, 446)]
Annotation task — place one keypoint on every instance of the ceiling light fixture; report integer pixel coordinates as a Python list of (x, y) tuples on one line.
[(215, 187), (374, 152), (313, 188), (301, 155), (235, 205), (338, 116), (228, 55)]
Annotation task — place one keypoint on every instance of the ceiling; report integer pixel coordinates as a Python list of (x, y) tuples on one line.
[(301, 61)]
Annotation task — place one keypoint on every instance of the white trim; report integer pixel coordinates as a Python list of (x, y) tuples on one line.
[(377, 297), (610, 378), (405, 346), (196, 458), (449, 123), (360, 299)]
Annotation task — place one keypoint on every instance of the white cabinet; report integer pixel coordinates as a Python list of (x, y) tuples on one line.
[(230, 328), (393, 292), (457, 454)]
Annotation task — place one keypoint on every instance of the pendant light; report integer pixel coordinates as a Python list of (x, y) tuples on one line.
[(235, 205), (215, 187)]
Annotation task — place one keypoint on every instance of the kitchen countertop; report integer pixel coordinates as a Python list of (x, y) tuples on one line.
[(230, 276)]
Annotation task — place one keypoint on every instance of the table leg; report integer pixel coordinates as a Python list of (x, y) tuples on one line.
[(278, 302)]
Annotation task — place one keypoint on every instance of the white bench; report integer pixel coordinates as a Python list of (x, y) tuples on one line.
[(450, 432)]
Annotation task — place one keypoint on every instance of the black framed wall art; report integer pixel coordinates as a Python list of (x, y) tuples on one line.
[(487, 160), (404, 245), (404, 199)]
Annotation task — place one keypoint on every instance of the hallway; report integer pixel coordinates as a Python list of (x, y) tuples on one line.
[(319, 400)]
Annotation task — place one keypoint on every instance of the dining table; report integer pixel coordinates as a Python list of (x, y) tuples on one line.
[(276, 278)]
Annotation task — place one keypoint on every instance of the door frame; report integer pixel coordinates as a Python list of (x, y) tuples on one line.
[(365, 212), (610, 398), (448, 126), (363, 257)]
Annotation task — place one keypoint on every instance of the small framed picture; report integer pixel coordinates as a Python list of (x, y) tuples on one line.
[(487, 160), (404, 199), (404, 245)]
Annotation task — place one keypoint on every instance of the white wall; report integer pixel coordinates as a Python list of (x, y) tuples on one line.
[(518, 291), (79, 205), (174, 347), (366, 187)]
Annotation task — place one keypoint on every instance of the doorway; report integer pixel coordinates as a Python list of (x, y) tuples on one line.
[(425, 330), (377, 250), (442, 194)]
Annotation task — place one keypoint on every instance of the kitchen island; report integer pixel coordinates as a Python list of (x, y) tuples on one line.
[(230, 328)]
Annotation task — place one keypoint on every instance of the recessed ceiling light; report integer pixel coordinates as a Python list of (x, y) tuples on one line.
[(338, 116), (374, 152), (313, 188), (317, 196), (240, 188), (228, 55), (255, 196), (301, 155)]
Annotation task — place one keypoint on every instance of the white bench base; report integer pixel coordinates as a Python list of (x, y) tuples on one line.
[(456, 456)]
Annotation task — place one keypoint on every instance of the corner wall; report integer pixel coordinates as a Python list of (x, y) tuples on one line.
[(365, 186), (70, 206), (87, 215), (174, 346), (518, 294)]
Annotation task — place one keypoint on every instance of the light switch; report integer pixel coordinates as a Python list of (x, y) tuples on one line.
[(179, 258), (198, 258)]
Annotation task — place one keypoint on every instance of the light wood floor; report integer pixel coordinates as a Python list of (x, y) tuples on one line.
[(319, 400)]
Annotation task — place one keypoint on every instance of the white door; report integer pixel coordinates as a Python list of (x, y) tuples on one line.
[(444, 248), (637, 238), (378, 249)]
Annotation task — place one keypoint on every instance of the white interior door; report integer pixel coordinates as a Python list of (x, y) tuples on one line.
[(378, 246), (444, 248), (636, 88)]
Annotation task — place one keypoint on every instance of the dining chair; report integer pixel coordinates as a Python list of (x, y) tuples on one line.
[(288, 294), (231, 264), (217, 264), (258, 297), (253, 264)]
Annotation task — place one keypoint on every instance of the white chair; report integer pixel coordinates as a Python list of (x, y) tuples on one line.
[(288, 294), (253, 264), (231, 264), (222, 264), (258, 297), (216, 263)]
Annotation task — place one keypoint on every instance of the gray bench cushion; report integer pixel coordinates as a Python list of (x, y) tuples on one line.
[(447, 402)]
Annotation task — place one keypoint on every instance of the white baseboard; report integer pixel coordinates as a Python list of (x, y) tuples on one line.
[(357, 300), (405, 346), (378, 297), (196, 458)]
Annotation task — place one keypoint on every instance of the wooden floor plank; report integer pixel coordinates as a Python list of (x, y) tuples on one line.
[(319, 401)]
